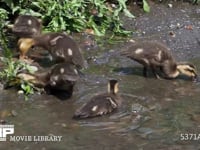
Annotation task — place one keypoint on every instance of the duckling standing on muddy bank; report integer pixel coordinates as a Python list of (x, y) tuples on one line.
[(62, 47), (101, 104), (157, 56)]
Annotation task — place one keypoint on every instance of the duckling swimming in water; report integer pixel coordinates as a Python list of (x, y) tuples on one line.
[(155, 55), (62, 47), (27, 26), (61, 77), (101, 104)]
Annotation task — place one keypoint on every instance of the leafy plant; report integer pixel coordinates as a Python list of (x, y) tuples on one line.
[(146, 6), (74, 15), (3, 39), (9, 75)]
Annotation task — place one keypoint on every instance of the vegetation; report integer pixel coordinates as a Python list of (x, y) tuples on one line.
[(9, 78), (8, 74), (74, 15), (146, 6)]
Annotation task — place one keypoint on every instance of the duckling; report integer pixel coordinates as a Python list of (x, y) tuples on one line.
[(27, 26), (154, 55), (101, 104), (62, 47), (60, 77)]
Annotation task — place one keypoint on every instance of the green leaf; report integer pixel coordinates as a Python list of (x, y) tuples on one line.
[(146, 6), (16, 8), (97, 32), (127, 13), (9, 3)]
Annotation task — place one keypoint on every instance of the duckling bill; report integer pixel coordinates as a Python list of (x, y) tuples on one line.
[(158, 58), (62, 47), (101, 104)]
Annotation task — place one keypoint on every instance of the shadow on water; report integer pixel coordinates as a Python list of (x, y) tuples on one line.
[(155, 113), (129, 70)]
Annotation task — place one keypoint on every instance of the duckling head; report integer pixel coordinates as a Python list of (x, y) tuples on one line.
[(187, 69), (25, 44), (113, 86)]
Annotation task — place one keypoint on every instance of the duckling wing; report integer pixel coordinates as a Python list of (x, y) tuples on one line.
[(148, 53), (99, 105), (66, 49)]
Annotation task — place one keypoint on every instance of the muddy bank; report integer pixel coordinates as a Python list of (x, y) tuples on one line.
[(178, 27)]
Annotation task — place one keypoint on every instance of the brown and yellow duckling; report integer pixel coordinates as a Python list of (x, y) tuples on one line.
[(62, 47), (101, 104), (26, 26), (157, 56), (59, 78)]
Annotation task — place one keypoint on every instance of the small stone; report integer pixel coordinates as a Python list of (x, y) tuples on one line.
[(113, 6), (189, 27), (143, 32), (132, 41), (64, 125), (3, 121), (178, 25), (20, 92), (170, 5), (13, 113), (172, 34)]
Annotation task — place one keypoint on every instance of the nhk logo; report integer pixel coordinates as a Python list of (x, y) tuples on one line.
[(5, 130)]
